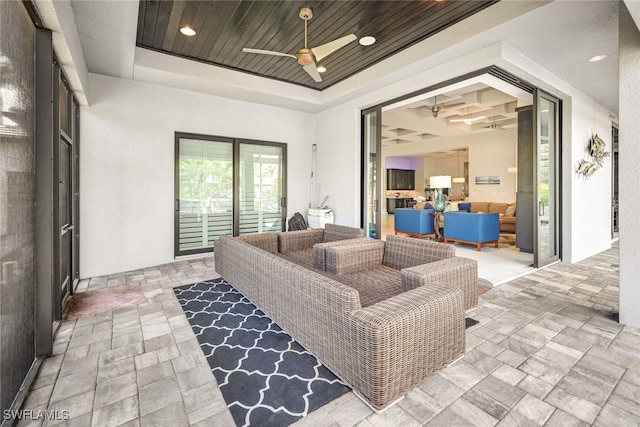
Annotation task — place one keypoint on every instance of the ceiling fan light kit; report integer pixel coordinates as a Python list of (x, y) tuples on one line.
[(367, 40), (307, 57), (188, 31)]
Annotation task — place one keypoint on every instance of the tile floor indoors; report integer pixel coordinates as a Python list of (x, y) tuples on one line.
[(546, 352)]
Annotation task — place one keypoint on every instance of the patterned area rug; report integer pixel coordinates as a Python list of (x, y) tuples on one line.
[(111, 298), (266, 377)]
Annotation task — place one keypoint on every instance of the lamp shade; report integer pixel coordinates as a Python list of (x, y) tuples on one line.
[(458, 180), (440, 181)]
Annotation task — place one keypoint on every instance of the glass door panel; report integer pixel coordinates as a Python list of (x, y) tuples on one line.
[(546, 228), (370, 173), (65, 217), (204, 199), (261, 192), (226, 186)]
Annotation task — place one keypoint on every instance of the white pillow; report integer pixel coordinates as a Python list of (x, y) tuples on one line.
[(454, 207)]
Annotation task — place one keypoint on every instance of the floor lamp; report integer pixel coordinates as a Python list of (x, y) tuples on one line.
[(439, 182)]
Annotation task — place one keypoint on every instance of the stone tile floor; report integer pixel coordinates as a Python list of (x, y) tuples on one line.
[(547, 351)]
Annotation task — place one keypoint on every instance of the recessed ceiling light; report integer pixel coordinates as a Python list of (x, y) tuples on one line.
[(321, 68), (188, 31), (597, 58), (367, 40)]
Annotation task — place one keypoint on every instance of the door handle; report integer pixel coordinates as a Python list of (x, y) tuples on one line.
[(66, 228)]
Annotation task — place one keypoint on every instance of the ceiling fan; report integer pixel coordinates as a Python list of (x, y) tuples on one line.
[(436, 108), (307, 57)]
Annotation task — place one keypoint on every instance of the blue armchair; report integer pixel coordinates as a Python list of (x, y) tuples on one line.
[(415, 222), (474, 228)]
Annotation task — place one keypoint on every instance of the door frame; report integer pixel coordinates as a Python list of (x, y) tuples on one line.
[(364, 168), (49, 304), (236, 142), (539, 262), (506, 76)]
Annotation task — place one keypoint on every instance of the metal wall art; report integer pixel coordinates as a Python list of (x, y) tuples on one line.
[(597, 151)]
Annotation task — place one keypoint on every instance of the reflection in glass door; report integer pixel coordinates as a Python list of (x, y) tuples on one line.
[(546, 206), (204, 186), (261, 189), (371, 120)]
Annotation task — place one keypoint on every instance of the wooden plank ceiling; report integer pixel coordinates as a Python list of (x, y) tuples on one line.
[(225, 27)]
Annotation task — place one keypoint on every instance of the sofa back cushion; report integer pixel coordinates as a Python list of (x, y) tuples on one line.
[(402, 252), (265, 241), (498, 207), (479, 207), (333, 232)]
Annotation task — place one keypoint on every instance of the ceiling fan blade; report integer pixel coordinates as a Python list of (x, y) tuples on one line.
[(267, 52), (326, 49), (312, 69)]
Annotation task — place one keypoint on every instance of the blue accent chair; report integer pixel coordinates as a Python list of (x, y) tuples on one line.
[(473, 228), (414, 222)]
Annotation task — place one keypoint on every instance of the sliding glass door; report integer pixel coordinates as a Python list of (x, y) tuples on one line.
[(371, 186), (204, 186), (226, 186), (546, 208), (261, 188)]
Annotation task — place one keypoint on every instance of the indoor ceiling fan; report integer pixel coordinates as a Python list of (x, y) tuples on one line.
[(305, 56)]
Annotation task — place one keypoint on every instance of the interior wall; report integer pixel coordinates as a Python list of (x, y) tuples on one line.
[(17, 199), (127, 164), (490, 154)]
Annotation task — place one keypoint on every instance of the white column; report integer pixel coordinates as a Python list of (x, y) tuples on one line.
[(629, 172)]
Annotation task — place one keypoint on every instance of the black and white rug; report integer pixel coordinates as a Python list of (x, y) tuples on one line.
[(266, 378)]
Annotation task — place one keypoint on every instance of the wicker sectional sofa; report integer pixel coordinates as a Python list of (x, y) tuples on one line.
[(382, 350)]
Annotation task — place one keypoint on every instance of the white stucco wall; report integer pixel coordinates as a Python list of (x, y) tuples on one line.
[(588, 200), (127, 164), (629, 171)]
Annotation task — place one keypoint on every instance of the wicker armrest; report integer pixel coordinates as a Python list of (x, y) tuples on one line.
[(300, 239), (266, 241), (402, 252), (405, 339), (459, 272), (333, 232), (356, 255)]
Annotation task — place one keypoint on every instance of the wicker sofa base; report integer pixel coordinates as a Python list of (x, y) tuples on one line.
[(382, 351)]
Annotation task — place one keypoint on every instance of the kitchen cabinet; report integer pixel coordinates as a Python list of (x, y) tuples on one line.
[(398, 202), (401, 179)]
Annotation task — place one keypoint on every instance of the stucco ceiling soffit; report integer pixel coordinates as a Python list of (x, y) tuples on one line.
[(59, 18), (156, 68)]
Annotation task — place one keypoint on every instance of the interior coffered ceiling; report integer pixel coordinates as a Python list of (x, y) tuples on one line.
[(474, 107)]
